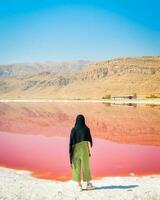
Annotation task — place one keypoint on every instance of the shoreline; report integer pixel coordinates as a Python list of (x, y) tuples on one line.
[(20, 185), (137, 101)]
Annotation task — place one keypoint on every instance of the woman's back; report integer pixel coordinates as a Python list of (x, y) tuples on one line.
[(81, 133)]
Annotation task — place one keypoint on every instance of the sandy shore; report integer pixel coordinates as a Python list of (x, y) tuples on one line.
[(132, 101), (20, 185)]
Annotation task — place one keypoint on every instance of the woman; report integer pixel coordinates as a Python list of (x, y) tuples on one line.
[(80, 150)]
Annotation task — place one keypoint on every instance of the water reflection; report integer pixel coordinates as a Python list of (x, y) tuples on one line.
[(35, 136)]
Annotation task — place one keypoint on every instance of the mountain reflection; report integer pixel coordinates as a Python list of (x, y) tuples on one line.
[(134, 124)]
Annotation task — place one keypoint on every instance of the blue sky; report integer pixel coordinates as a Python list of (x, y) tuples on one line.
[(58, 30)]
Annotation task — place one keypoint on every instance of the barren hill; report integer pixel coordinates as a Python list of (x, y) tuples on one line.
[(33, 68), (121, 76)]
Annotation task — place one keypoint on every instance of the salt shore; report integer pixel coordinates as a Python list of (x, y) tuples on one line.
[(20, 185), (125, 101)]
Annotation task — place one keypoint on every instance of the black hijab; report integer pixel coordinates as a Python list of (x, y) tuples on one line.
[(80, 121), (80, 132)]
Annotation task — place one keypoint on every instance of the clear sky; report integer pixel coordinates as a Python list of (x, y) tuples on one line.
[(58, 30)]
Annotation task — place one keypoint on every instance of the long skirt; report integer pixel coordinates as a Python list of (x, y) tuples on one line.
[(80, 162)]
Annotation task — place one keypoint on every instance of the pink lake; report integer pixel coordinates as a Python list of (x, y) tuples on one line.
[(35, 137)]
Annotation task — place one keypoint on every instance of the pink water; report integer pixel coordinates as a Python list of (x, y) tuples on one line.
[(35, 140)]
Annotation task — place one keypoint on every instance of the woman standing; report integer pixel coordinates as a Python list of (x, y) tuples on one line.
[(80, 150)]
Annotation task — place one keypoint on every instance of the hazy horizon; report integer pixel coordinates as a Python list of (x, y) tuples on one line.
[(78, 60)]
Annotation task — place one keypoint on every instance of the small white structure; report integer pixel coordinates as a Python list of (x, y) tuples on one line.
[(123, 97)]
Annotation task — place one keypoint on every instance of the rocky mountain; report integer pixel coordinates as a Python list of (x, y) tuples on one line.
[(121, 76), (32, 68)]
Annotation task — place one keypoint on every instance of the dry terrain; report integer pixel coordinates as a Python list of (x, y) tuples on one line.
[(121, 76)]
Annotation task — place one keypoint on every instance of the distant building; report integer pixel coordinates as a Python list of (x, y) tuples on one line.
[(123, 97)]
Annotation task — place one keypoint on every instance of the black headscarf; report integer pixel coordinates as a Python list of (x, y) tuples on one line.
[(80, 132), (80, 121)]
